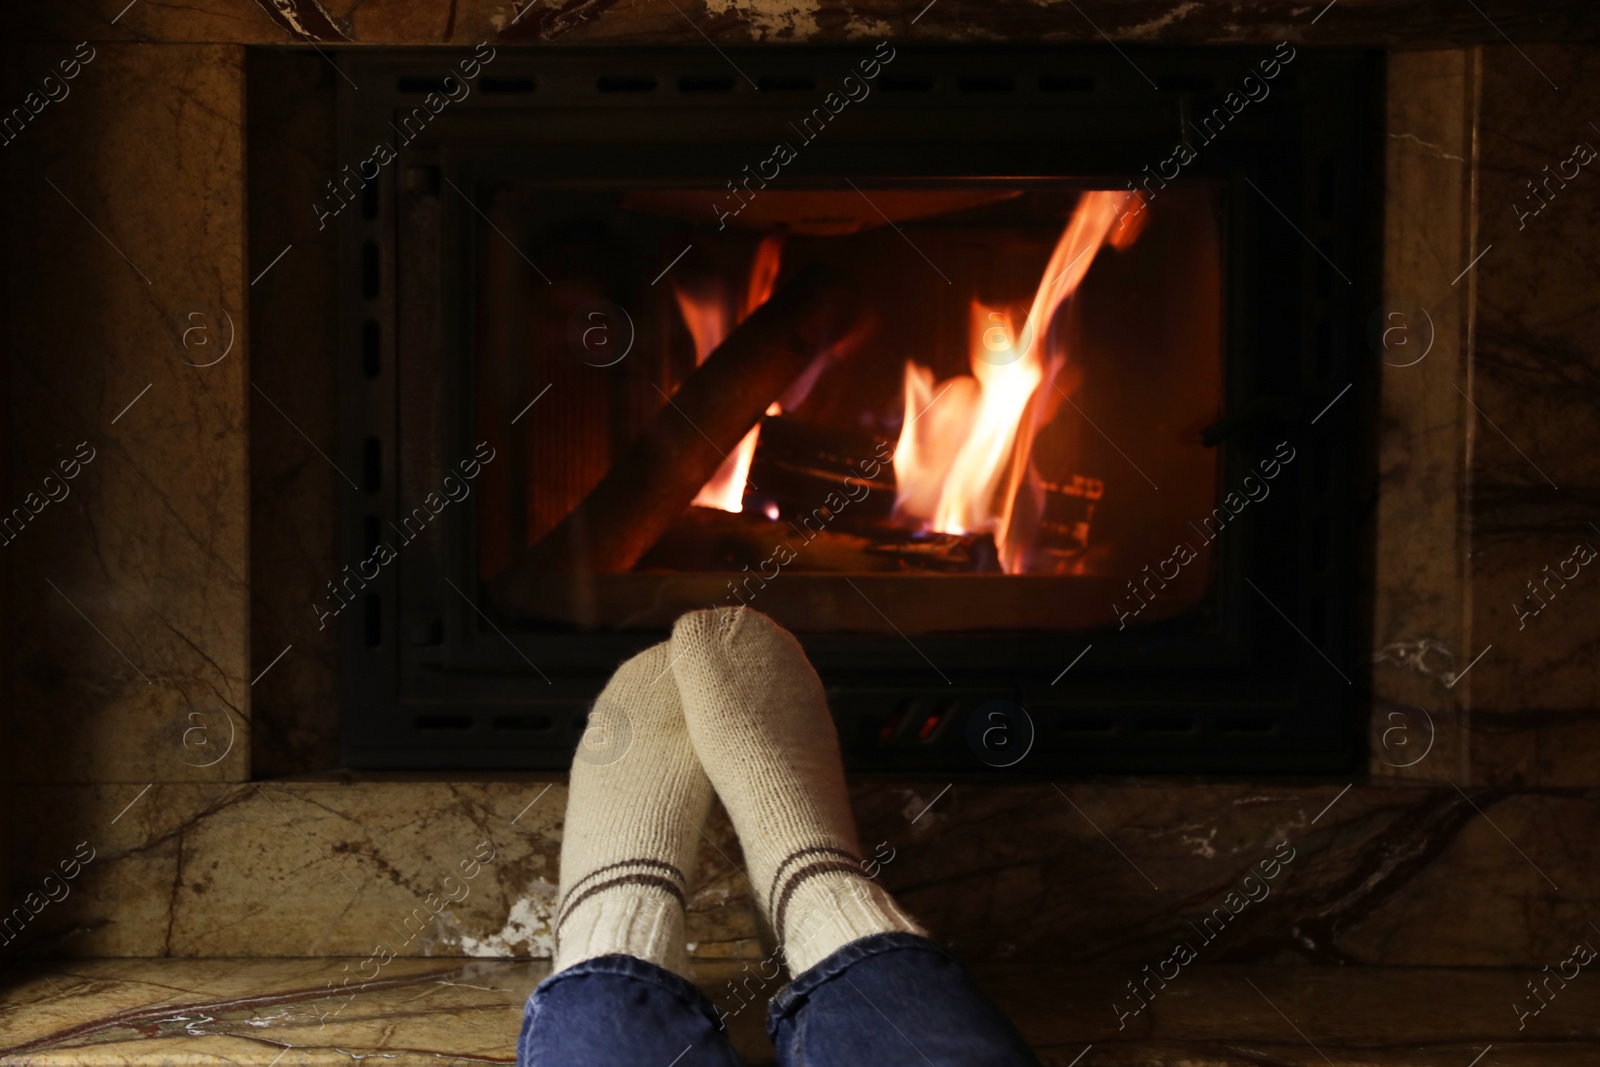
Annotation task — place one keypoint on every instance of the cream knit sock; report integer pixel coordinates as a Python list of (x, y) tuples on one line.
[(635, 804), (760, 725)]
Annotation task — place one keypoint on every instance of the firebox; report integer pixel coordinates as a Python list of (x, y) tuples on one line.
[(1026, 387)]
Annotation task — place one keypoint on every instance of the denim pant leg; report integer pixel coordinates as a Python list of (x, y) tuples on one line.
[(891, 1000), (620, 1011)]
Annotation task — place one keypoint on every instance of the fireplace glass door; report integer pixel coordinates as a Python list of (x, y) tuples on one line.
[(1007, 430)]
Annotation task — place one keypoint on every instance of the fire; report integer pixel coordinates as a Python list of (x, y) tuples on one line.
[(710, 318), (963, 454)]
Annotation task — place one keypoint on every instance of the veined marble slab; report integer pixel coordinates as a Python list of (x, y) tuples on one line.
[(278, 1013), (1072, 872)]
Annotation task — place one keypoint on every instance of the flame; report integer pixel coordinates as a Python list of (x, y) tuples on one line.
[(963, 454), (710, 319)]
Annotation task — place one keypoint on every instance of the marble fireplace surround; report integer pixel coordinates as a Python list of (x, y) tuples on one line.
[(148, 610)]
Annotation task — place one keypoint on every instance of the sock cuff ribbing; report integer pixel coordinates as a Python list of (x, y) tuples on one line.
[(641, 872)]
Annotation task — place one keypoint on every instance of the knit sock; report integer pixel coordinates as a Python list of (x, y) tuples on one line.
[(760, 725), (635, 803)]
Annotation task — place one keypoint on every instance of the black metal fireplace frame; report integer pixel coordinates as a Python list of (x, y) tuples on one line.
[(1264, 678)]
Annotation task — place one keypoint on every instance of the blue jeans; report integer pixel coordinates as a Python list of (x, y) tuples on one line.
[(890, 1000)]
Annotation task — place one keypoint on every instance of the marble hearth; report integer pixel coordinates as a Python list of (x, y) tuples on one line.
[(169, 704)]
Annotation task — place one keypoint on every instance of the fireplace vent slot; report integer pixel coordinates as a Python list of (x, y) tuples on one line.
[(933, 724)]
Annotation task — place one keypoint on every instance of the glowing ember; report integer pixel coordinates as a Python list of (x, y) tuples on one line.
[(963, 454), (710, 319)]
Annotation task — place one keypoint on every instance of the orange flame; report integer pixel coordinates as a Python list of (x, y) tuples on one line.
[(963, 454), (710, 319)]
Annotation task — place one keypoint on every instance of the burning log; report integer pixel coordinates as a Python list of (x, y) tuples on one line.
[(801, 469), (746, 544), (656, 478)]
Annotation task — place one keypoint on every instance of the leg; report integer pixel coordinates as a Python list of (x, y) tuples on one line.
[(619, 994), (760, 725), (870, 989), (620, 1011), (891, 1000)]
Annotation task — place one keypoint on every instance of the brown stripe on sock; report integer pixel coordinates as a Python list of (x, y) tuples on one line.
[(648, 880), (802, 875), (814, 850), (659, 865)]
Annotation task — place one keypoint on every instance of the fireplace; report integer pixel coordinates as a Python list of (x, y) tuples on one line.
[(1024, 386)]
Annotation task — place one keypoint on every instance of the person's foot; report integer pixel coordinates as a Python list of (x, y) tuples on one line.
[(760, 725), (635, 805)]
